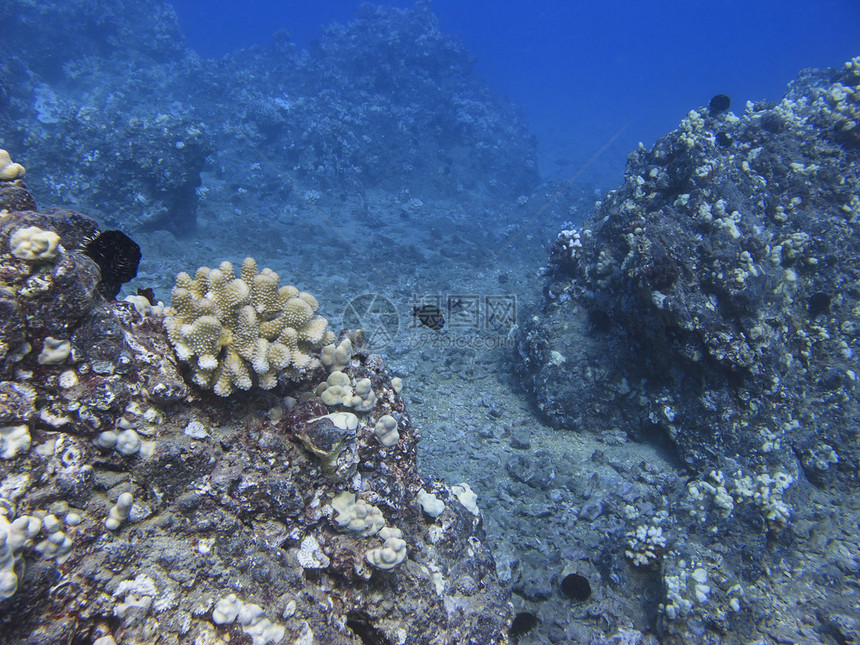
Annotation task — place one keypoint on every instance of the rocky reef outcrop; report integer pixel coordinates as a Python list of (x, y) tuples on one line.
[(387, 102), (136, 507), (709, 305)]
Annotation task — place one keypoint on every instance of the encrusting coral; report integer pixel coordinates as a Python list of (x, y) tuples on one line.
[(32, 243), (238, 331), (9, 170)]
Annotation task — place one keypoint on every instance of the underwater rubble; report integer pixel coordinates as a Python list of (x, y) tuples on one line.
[(138, 506), (709, 306)]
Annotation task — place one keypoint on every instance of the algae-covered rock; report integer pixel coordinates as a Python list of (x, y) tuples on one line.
[(710, 298), (708, 306)]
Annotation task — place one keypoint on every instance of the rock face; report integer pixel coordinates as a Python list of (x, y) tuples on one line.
[(722, 277), (384, 102), (155, 157), (710, 304), (139, 509)]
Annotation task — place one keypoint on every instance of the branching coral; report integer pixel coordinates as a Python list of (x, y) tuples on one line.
[(238, 331)]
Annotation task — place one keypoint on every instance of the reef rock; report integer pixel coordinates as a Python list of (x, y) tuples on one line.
[(137, 508), (710, 299), (385, 101), (709, 304)]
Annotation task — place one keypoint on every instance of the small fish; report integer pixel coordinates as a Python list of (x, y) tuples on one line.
[(719, 104), (429, 316), (149, 294)]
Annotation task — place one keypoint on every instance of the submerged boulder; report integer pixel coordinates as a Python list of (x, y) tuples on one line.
[(711, 298), (709, 305)]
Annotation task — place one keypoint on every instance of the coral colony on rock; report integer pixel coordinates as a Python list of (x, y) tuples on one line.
[(654, 440), (134, 501)]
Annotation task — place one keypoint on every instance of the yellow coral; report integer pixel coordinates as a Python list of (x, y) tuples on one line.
[(238, 332), (386, 430), (8, 169), (365, 397), (298, 312), (54, 351), (338, 389), (265, 291), (32, 243), (392, 552), (313, 331), (337, 357), (312, 302), (357, 516)]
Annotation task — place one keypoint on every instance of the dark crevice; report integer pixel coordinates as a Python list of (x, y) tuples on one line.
[(361, 626)]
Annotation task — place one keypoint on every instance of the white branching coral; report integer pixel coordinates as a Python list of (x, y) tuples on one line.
[(645, 545), (240, 331)]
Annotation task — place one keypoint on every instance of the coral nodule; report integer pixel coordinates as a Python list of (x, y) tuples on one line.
[(9, 170), (236, 332)]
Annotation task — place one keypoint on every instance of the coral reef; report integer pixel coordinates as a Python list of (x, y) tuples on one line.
[(272, 124), (136, 508), (715, 268), (708, 305), (156, 155)]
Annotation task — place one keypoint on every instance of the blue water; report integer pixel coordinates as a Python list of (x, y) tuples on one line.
[(582, 71)]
